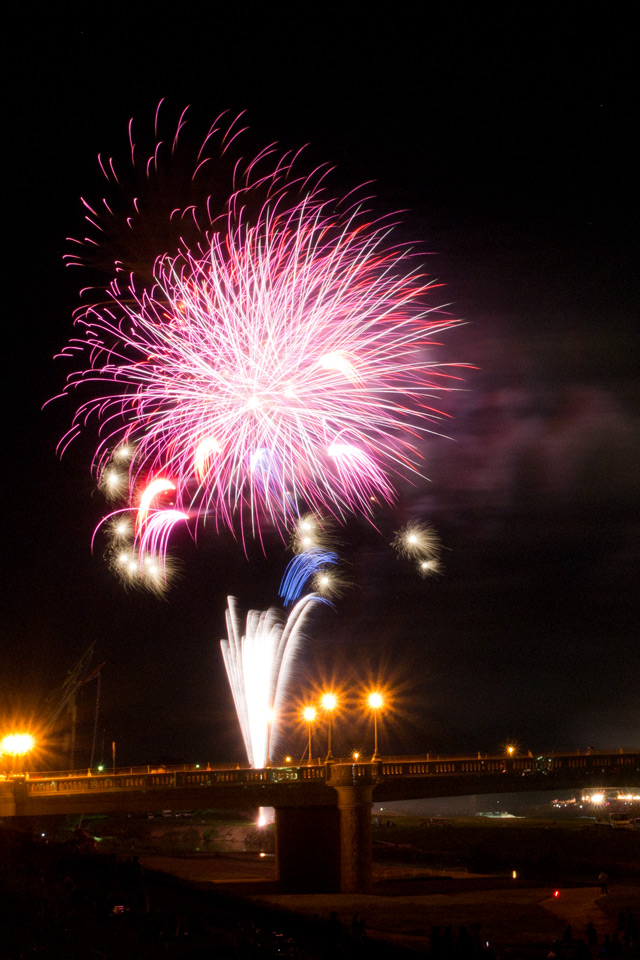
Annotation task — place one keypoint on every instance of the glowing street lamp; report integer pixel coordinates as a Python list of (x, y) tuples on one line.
[(17, 745), (376, 702), (309, 715), (329, 702)]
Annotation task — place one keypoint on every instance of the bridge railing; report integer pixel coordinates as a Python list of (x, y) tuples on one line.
[(551, 765), (49, 785), (141, 769), (595, 765)]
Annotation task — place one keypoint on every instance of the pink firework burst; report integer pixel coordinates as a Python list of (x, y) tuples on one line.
[(278, 362)]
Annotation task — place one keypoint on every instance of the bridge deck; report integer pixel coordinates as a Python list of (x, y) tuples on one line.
[(232, 785)]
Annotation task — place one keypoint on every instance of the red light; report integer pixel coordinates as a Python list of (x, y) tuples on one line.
[(556, 893)]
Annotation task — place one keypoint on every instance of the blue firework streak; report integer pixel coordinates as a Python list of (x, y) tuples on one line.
[(299, 570)]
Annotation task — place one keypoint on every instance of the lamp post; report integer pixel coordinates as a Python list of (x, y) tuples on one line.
[(309, 714), (375, 702), (329, 702)]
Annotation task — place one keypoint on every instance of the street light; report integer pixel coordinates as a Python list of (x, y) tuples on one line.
[(375, 701), (309, 715), (17, 745), (329, 702)]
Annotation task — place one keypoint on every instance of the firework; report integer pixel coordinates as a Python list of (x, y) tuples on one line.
[(429, 568), (419, 542), (417, 539), (142, 571), (258, 664), (274, 358), (312, 565), (310, 533)]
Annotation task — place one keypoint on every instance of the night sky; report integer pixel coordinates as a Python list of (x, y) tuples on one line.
[(508, 142)]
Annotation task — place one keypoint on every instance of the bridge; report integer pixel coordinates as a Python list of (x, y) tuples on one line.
[(323, 811)]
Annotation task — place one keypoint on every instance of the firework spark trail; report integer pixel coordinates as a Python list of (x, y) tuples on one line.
[(276, 363), (154, 536), (258, 664), (302, 568)]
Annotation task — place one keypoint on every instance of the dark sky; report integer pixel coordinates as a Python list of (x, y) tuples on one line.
[(508, 140)]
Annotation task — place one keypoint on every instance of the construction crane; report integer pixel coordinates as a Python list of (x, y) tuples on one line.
[(65, 699)]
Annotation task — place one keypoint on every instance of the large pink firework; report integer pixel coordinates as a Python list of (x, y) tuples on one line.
[(277, 360)]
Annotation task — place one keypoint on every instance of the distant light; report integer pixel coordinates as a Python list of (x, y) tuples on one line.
[(309, 714), (597, 798), (287, 759), (556, 893), (355, 754), (375, 700), (514, 875), (262, 853)]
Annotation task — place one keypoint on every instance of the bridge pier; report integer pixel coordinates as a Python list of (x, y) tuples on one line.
[(328, 848), (354, 806)]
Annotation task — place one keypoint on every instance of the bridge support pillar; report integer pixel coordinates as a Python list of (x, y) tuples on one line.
[(354, 806), (308, 848), (7, 799)]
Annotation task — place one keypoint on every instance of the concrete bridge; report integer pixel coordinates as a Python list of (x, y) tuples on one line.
[(323, 812)]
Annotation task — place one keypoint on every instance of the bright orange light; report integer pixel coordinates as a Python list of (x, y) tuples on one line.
[(511, 749), (375, 700), (329, 701), (287, 759), (17, 744), (355, 754), (309, 714)]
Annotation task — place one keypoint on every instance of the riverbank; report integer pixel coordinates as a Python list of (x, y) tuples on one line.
[(502, 914)]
